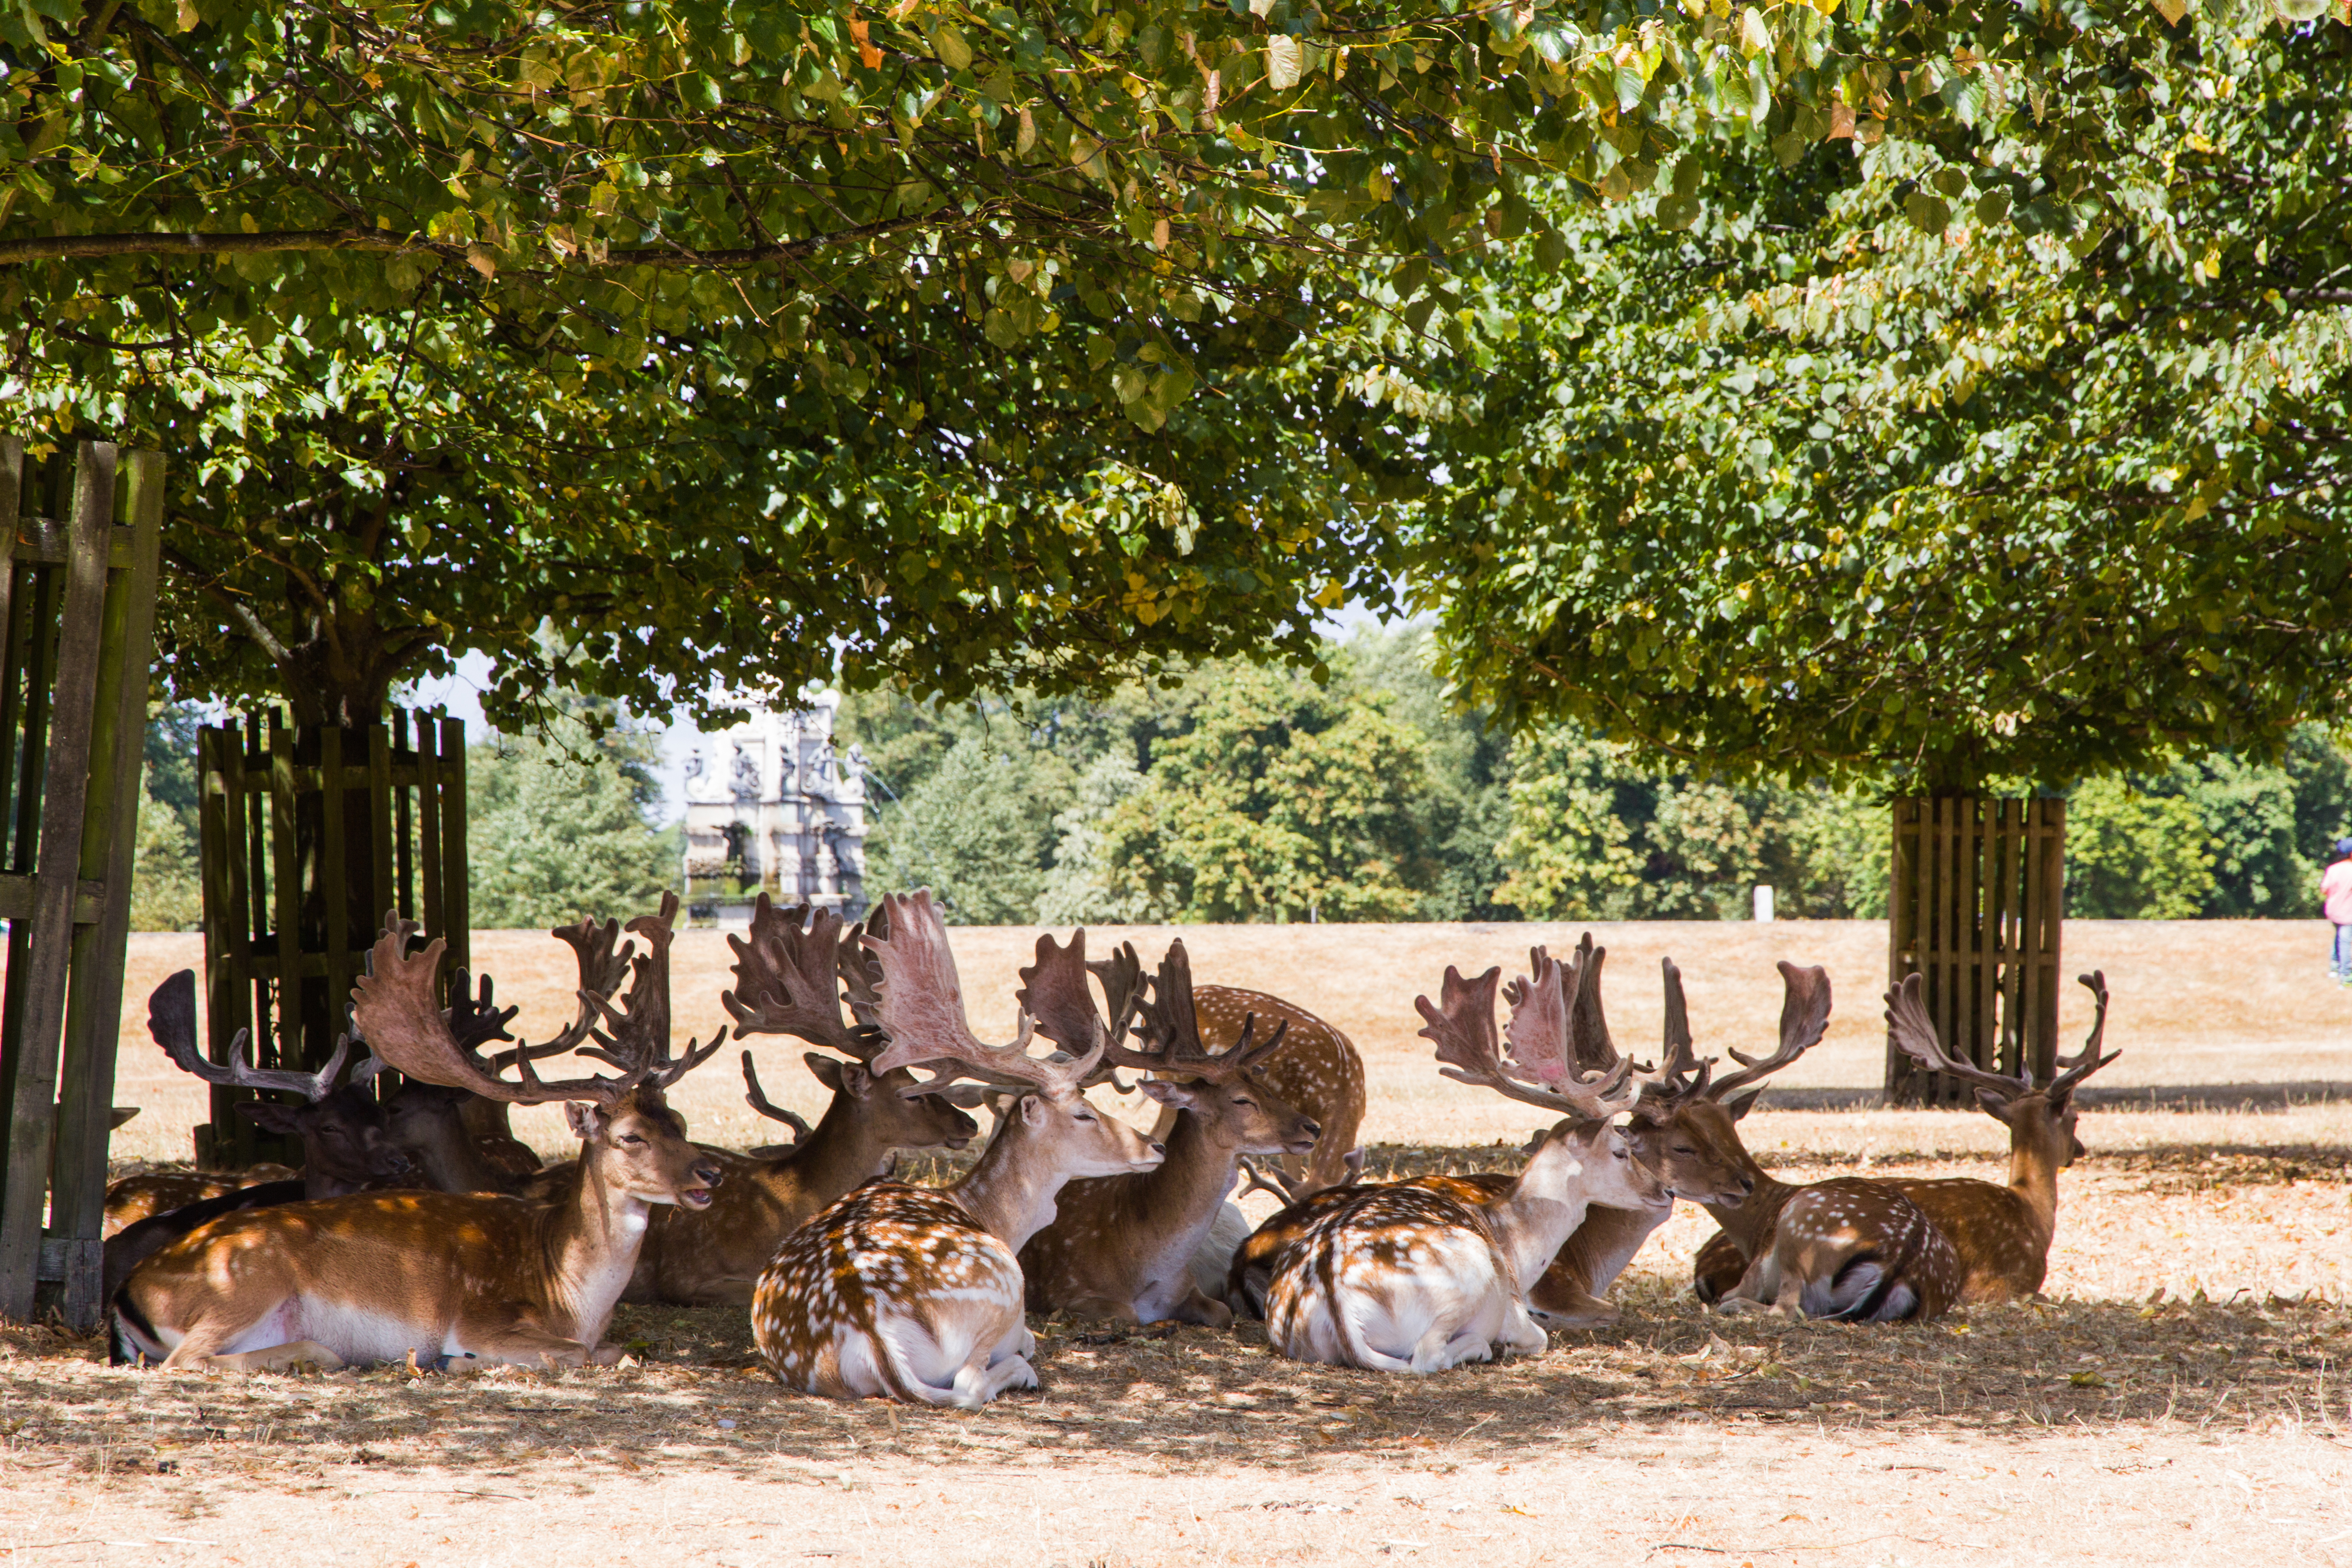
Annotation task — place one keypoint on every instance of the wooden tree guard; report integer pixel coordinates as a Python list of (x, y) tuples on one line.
[(77, 600), (1978, 890), (308, 837)]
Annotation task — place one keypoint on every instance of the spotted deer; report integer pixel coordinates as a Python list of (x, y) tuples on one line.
[(1855, 1251), (381, 1276), (1121, 1246), (1408, 1278), (912, 1294), (1568, 1294), (788, 970), (1318, 1069), (2002, 1233)]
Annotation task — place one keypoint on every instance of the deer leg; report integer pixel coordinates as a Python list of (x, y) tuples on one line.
[(1197, 1308), (1522, 1333), (520, 1344), (1574, 1310), (278, 1358), (1103, 1309), (1759, 1286)]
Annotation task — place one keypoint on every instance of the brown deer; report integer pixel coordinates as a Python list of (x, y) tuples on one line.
[(1566, 994), (1855, 1251), (1408, 1278), (1121, 1246), (912, 1294), (1318, 1069), (345, 1145), (380, 1276), (2003, 1234), (788, 970)]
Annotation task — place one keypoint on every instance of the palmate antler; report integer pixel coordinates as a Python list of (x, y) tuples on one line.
[(394, 1006), (919, 1002), (789, 972), (1910, 1031), (1462, 1027), (639, 1038), (1173, 1030), (1054, 991), (172, 1020)]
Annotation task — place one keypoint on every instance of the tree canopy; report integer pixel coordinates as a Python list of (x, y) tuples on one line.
[(948, 345), (1886, 467)]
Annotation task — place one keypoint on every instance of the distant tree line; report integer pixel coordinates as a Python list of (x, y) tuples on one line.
[(1248, 792)]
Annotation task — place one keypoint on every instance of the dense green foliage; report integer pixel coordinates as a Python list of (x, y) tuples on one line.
[(557, 825), (1889, 470)]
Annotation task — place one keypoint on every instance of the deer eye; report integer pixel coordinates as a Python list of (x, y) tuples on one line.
[(1082, 1117), (631, 1138), (1240, 1100)]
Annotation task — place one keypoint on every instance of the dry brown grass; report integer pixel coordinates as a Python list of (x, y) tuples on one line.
[(2095, 1427)]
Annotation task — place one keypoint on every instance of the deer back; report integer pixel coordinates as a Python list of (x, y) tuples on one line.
[(1317, 1069)]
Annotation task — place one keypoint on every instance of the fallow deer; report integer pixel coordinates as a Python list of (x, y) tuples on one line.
[(377, 1277), (1410, 1278), (788, 970), (912, 1294), (1121, 1246), (1318, 1069), (1853, 1250), (2003, 1234), (1568, 1293)]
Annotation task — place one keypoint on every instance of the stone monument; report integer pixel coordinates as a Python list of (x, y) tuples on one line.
[(770, 806)]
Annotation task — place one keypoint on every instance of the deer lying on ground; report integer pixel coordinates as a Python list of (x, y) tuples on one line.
[(1121, 1246), (1411, 1278), (1318, 1069), (913, 1294), (787, 982), (2000, 1235), (1565, 995), (378, 1277), (345, 1146), (1853, 1250), (144, 1196)]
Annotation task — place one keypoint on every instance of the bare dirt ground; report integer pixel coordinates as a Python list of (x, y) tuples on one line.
[(2107, 1424)]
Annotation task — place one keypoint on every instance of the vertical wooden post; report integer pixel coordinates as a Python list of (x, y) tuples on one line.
[(1974, 907)]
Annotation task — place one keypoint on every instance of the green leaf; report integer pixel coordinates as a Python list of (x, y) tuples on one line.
[(1929, 215)]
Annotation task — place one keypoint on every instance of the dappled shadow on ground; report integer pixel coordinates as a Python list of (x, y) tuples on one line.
[(1188, 1399)]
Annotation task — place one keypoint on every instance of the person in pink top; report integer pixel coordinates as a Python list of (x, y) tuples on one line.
[(2335, 900)]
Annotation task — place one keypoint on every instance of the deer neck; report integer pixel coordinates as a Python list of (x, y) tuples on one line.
[(589, 1241), (842, 1152), (1010, 1193), (455, 1164), (1190, 1183), (1752, 1223), (1545, 1207), (2033, 1177)]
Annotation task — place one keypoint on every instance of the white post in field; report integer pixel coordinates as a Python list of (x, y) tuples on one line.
[(1763, 903)]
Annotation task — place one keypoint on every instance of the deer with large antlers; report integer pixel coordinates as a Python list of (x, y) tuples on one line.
[(1411, 1278), (1558, 999), (789, 972), (913, 1294), (1317, 1069), (377, 1277), (2000, 1235), (1121, 1246)]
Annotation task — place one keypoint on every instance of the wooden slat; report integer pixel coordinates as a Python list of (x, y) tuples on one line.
[(286, 889), (33, 1052), (334, 871), (11, 490), (1968, 843), (383, 894), (456, 898), (2030, 937), (407, 779), (2053, 925), (428, 827), (228, 922), (108, 847), (1901, 888)]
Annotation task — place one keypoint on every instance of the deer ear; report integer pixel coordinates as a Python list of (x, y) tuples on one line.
[(588, 1121), (1992, 1106), (827, 1070), (1031, 1109), (272, 1117), (1183, 1095), (1739, 1108)]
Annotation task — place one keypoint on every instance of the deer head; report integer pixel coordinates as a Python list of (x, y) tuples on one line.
[(631, 1142), (1691, 1117), (1049, 1134), (346, 1145), (2041, 1121)]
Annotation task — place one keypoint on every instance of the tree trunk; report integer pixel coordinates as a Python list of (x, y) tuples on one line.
[(1976, 892)]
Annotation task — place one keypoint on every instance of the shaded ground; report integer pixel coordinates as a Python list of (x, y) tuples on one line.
[(2098, 1426)]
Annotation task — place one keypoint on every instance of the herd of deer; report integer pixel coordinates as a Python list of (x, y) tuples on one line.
[(860, 1285)]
